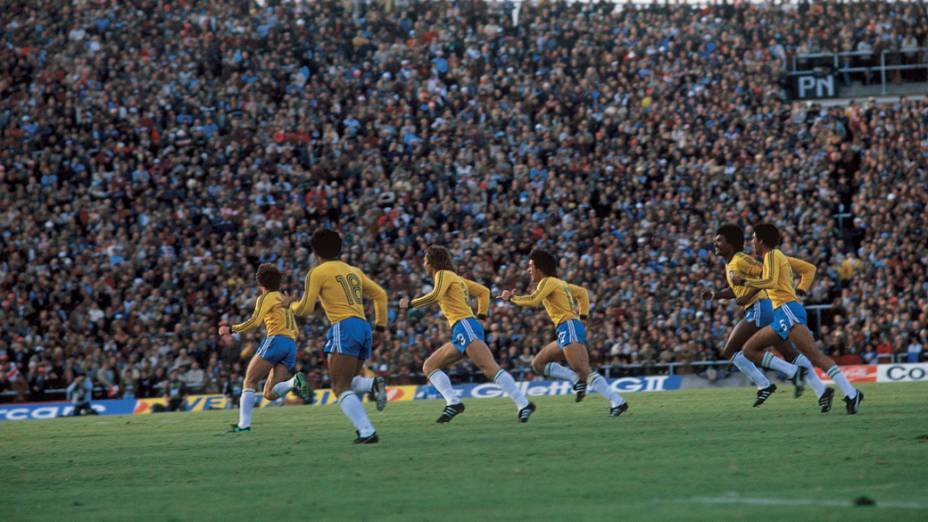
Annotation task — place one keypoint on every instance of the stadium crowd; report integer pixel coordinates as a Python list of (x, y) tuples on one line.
[(153, 153)]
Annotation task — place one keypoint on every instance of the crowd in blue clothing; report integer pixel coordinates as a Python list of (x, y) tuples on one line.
[(153, 153)]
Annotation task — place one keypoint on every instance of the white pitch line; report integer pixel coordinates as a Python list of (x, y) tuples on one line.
[(761, 501)]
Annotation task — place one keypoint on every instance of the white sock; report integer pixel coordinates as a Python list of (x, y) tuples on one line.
[(748, 368), (775, 363), (245, 404), (598, 383), (838, 376), (362, 384), (354, 410), (442, 383), (282, 388), (557, 371), (508, 384), (811, 376)]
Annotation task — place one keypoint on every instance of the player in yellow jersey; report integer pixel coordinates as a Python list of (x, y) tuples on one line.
[(560, 301), (452, 293), (276, 357), (789, 316), (758, 313), (341, 288)]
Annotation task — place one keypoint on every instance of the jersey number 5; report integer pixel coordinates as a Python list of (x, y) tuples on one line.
[(351, 284)]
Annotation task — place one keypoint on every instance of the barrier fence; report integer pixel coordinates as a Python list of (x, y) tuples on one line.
[(883, 373)]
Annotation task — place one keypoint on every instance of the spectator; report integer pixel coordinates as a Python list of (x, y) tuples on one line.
[(175, 392), (144, 164), (195, 378), (108, 378), (79, 395), (914, 350)]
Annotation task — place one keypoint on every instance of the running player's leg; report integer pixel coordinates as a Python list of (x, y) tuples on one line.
[(478, 352), (732, 351), (434, 366), (547, 363), (257, 370), (359, 383), (790, 353), (342, 369), (579, 360), (282, 354), (754, 349), (348, 345), (279, 375), (375, 387), (279, 383), (805, 343)]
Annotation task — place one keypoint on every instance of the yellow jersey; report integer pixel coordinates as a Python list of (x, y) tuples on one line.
[(777, 277), (341, 288), (278, 319), (746, 265), (452, 293), (563, 301)]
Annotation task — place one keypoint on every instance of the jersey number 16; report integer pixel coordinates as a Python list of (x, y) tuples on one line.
[(351, 284)]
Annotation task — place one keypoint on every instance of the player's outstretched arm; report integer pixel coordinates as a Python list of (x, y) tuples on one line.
[(769, 278), (311, 287), (482, 295), (749, 267), (441, 284), (261, 309), (724, 293), (544, 288), (746, 298)]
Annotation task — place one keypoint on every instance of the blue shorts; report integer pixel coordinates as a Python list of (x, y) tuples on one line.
[(278, 349), (786, 317), (465, 332), (760, 313), (570, 331), (351, 336)]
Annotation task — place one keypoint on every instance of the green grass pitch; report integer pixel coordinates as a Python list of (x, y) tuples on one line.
[(686, 455)]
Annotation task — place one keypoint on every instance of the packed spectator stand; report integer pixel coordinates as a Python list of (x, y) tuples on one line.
[(153, 153)]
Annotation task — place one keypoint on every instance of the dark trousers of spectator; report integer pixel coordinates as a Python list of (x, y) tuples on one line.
[(176, 405), (83, 406)]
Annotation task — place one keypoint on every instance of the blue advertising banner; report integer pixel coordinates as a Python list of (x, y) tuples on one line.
[(490, 390), (50, 410)]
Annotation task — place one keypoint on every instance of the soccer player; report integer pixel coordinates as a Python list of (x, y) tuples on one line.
[(452, 293), (789, 316), (561, 304), (276, 356), (341, 288), (758, 313)]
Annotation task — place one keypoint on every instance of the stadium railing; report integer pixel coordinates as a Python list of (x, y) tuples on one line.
[(840, 63)]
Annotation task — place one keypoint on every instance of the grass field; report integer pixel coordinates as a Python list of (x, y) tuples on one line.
[(694, 454)]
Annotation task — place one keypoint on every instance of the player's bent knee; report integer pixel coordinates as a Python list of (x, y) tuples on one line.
[(538, 366), (728, 351)]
